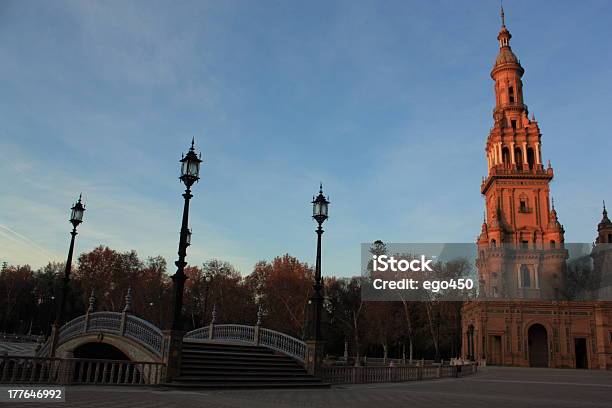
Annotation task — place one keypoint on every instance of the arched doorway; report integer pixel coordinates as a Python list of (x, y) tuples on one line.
[(538, 346)]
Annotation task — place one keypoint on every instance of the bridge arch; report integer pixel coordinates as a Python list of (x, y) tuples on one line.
[(117, 344), (136, 338)]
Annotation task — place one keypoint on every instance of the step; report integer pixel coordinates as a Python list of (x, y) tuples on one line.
[(258, 374), (230, 352), (221, 366), (260, 351), (241, 368), (250, 385), (243, 378), (224, 357), (226, 346), (217, 364)]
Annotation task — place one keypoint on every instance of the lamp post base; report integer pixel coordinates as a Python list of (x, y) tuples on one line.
[(173, 348), (314, 356)]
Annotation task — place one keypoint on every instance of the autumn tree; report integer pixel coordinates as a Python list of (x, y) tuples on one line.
[(16, 300), (108, 274), (153, 292), (283, 288), (346, 309)]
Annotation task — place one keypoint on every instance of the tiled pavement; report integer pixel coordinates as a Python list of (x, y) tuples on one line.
[(492, 387)]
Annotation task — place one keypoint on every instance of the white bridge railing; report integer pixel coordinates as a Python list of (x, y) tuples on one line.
[(255, 335), (122, 324), (42, 370)]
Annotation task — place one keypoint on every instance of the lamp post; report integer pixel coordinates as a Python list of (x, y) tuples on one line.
[(320, 214), (190, 173), (76, 217), (208, 281)]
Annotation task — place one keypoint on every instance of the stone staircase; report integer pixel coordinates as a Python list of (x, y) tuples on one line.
[(222, 365)]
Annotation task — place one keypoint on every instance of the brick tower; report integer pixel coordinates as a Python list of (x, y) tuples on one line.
[(518, 211), (521, 317)]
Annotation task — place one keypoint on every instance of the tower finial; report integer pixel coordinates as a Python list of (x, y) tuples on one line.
[(553, 203), (503, 16), (321, 188), (192, 142), (605, 212)]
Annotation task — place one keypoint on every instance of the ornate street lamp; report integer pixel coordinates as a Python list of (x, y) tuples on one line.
[(320, 214), (76, 217), (190, 173)]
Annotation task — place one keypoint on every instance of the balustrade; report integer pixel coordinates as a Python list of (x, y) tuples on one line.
[(38, 370), (362, 375)]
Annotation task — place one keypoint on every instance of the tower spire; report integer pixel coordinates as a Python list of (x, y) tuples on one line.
[(503, 16)]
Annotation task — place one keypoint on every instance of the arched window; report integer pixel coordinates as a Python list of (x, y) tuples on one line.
[(511, 94), (553, 244), (518, 158), (530, 158), (525, 276), (506, 156), (493, 243), (609, 238)]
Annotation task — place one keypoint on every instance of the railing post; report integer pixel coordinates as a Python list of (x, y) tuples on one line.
[(53, 339), (385, 354), (257, 326), (90, 309), (346, 346), (211, 327), (66, 369), (126, 310)]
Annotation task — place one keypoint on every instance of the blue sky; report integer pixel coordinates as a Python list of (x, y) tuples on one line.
[(387, 103)]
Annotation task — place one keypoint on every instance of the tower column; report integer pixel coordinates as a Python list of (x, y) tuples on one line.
[(512, 154), (537, 153), (525, 163)]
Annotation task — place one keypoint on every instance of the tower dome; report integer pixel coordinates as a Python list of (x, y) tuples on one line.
[(505, 55)]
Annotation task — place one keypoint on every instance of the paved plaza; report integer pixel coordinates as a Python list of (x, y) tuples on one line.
[(492, 387)]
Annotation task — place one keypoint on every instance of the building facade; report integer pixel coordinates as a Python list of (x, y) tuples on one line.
[(521, 316)]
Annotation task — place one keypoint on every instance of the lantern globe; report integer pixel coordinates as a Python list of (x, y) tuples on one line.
[(320, 207), (77, 211), (190, 166)]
